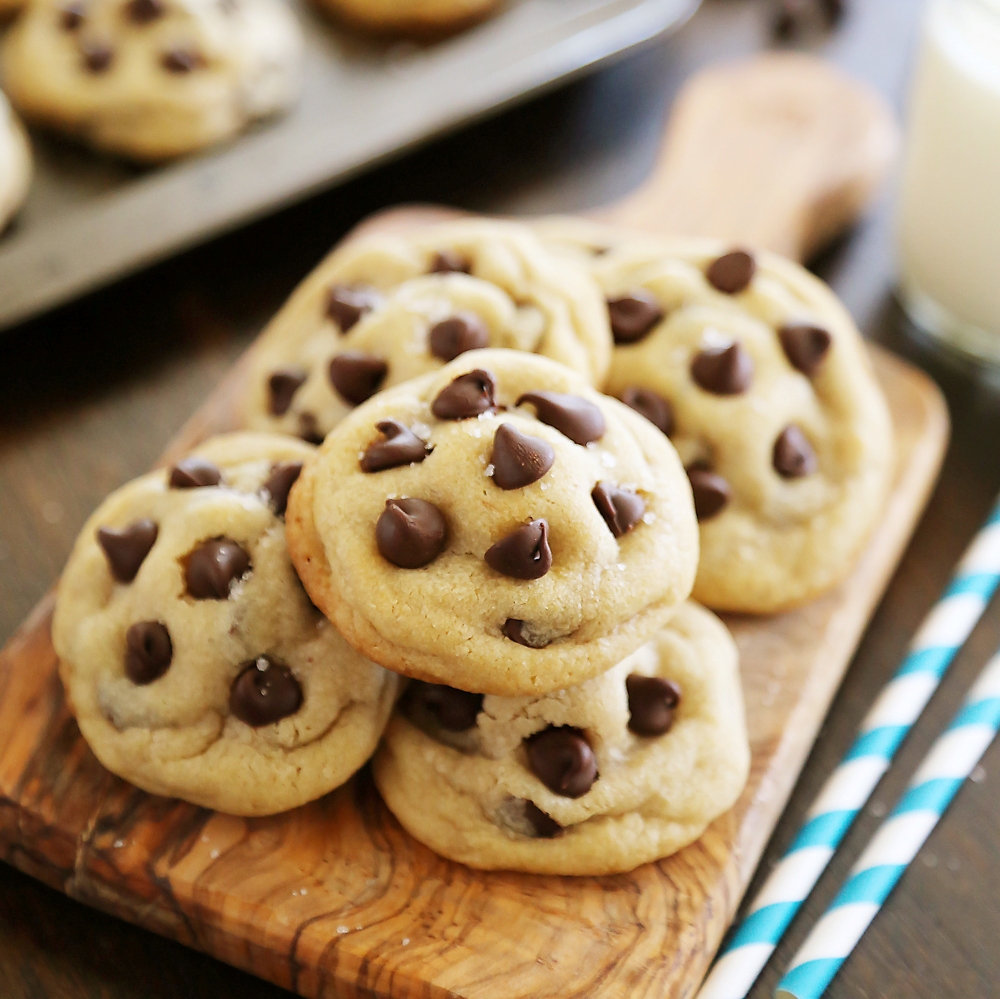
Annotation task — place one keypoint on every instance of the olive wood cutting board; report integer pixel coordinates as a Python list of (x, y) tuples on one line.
[(334, 899)]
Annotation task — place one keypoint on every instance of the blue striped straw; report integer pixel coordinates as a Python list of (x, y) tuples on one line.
[(897, 841), (943, 632)]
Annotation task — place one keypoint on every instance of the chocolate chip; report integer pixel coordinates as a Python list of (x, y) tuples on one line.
[(457, 334), (411, 533), (732, 272), (578, 419), (265, 692), (144, 11), (455, 710), (309, 429), (794, 456), (633, 316), (284, 475), (400, 447), (797, 17), (523, 554), (723, 370), (517, 459), (563, 761), (515, 631), (467, 396), (450, 262), (282, 386), (805, 346), (651, 704), (194, 473), (71, 16), (181, 60), (711, 492), (357, 376), (148, 651), (127, 547), (544, 825), (788, 22), (212, 568), (654, 407), (620, 508), (345, 306), (833, 10), (97, 56)]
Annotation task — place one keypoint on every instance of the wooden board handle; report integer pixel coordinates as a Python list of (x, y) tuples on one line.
[(782, 151)]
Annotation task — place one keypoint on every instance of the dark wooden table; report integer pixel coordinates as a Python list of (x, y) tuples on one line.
[(90, 395)]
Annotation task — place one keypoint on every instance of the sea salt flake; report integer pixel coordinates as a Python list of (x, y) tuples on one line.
[(214, 855), (341, 930), (711, 337)]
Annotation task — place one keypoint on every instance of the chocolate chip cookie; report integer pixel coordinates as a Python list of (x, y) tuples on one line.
[(623, 769), (192, 658), (385, 308), (496, 526), (759, 377), (410, 17), (15, 162), (152, 79)]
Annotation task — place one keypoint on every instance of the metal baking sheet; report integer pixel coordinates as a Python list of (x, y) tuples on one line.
[(90, 219)]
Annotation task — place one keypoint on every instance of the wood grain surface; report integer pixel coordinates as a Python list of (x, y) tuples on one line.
[(783, 151), (334, 899)]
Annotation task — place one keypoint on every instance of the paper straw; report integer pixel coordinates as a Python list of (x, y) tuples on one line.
[(898, 840), (943, 632)]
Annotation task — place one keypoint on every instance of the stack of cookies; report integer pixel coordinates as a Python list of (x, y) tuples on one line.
[(486, 541), (522, 546)]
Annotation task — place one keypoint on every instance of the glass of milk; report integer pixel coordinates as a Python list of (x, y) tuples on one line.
[(949, 213)]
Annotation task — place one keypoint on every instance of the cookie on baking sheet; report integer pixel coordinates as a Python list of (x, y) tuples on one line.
[(15, 163), (152, 79), (621, 770), (192, 658), (496, 526), (384, 308), (761, 380), (410, 17)]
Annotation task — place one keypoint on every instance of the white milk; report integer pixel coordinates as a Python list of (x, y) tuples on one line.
[(949, 222)]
